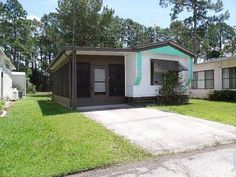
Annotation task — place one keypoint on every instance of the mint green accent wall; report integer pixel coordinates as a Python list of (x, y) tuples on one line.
[(190, 72), (138, 68), (168, 50)]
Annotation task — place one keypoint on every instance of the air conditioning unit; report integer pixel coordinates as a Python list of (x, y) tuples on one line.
[(13, 94)]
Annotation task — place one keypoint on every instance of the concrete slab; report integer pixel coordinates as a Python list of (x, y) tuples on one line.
[(103, 107), (213, 163), (163, 132)]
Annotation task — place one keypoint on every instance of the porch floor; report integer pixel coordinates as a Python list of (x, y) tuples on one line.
[(103, 107)]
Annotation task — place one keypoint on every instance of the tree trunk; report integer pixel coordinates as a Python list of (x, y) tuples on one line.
[(195, 43)]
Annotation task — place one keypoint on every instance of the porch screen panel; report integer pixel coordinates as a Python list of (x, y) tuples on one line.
[(83, 80), (66, 81), (61, 81), (116, 80)]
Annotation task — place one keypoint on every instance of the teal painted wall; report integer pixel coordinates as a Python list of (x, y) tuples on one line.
[(138, 68), (166, 50)]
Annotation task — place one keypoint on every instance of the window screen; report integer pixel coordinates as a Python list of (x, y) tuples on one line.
[(203, 80), (195, 80), (99, 81), (209, 79), (156, 74), (116, 80), (229, 78), (83, 80), (61, 81)]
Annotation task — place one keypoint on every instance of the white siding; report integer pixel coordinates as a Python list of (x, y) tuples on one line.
[(145, 89), (130, 74), (5, 83), (19, 81), (217, 67)]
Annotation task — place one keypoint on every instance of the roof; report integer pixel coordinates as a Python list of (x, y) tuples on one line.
[(217, 60), (134, 49), (6, 60)]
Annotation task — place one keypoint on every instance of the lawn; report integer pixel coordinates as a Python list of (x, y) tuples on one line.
[(223, 112), (41, 138)]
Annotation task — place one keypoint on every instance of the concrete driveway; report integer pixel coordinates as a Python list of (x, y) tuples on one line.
[(163, 132), (213, 162)]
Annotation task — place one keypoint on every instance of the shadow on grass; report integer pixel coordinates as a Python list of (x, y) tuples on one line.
[(49, 107)]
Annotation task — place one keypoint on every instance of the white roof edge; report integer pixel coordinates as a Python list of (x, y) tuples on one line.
[(217, 60), (12, 67), (18, 73)]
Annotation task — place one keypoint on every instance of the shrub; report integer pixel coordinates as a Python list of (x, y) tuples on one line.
[(30, 88), (1, 104), (172, 90), (222, 95)]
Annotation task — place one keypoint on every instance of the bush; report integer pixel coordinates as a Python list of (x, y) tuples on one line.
[(1, 104), (30, 88), (172, 90), (222, 95)]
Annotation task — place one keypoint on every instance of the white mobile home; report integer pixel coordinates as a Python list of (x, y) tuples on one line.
[(216, 74), (98, 76), (19, 81), (6, 76)]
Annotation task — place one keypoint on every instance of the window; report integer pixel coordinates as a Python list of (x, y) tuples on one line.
[(99, 81), (158, 67), (195, 80), (203, 80), (209, 79), (156, 74), (229, 78)]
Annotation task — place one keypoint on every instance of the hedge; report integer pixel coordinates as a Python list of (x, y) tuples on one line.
[(222, 95)]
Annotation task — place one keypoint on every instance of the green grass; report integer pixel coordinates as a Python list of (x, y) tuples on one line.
[(41, 138), (223, 112)]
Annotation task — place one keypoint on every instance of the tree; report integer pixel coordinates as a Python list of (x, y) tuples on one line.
[(91, 24), (199, 15), (217, 37), (181, 34)]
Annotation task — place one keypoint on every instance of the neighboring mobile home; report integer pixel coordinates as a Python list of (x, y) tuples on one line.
[(99, 76), (216, 74), (6, 76), (19, 82)]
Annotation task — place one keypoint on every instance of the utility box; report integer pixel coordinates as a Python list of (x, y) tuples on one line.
[(19, 81), (13, 94)]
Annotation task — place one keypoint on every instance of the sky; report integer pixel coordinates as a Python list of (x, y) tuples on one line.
[(146, 12)]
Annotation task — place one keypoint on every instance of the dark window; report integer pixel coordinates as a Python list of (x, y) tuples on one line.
[(229, 78), (158, 67), (209, 79), (116, 80), (203, 80), (156, 74), (194, 81), (83, 80)]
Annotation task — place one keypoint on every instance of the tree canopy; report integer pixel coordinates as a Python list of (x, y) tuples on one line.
[(32, 44)]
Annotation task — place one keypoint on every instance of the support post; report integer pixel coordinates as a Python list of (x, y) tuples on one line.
[(73, 81)]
